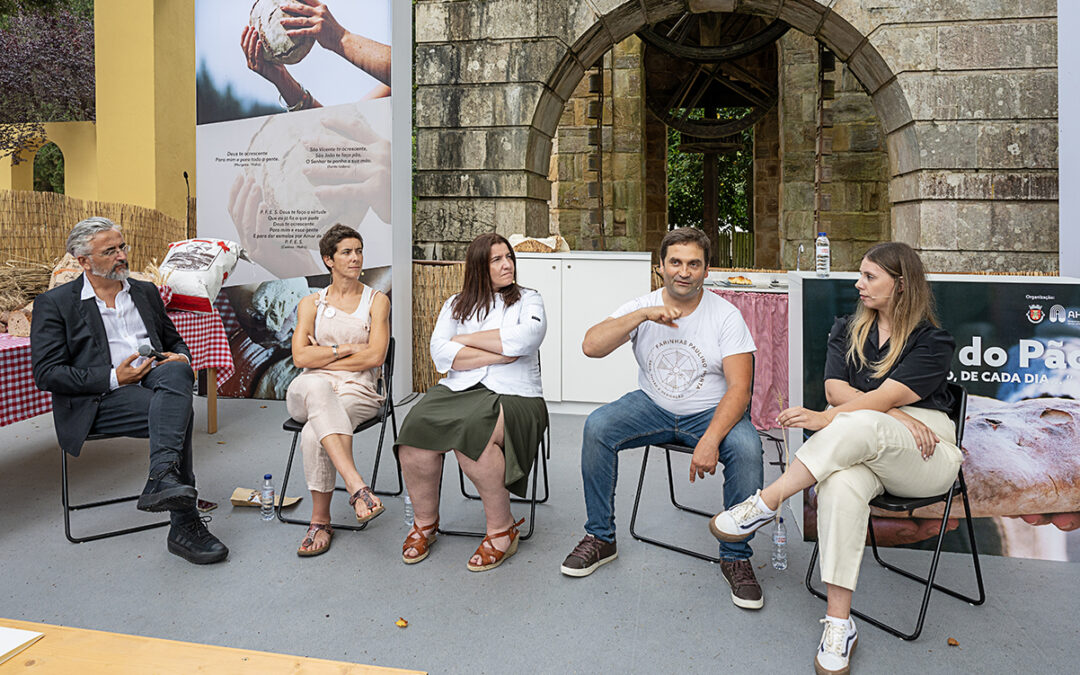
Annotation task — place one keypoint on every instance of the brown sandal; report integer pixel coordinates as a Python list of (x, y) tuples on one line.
[(309, 539), (420, 540), (491, 557), (364, 495)]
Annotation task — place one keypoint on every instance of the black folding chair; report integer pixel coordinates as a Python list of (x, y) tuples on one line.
[(69, 507), (893, 503), (386, 412), (686, 450), (539, 464), (669, 448)]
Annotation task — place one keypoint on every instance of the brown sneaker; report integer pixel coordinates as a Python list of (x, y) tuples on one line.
[(745, 591), (589, 554)]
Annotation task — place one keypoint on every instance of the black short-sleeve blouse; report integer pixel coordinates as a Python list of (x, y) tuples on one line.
[(923, 365)]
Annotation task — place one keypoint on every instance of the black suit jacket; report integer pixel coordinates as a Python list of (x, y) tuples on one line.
[(70, 352)]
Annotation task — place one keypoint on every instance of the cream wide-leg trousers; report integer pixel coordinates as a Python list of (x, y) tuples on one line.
[(858, 456), (329, 405)]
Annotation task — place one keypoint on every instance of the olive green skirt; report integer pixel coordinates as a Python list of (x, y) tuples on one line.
[(446, 420)]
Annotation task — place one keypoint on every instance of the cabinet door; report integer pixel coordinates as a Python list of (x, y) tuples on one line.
[(544, 276), (592, 290)]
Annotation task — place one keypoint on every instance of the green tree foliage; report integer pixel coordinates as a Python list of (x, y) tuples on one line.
[(47, 69), (49, 169), (686, 189)]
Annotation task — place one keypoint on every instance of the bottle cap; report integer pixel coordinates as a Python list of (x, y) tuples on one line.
[(781, 519), (267, 477), (821, 234)]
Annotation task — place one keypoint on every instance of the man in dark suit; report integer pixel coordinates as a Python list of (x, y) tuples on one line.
[(85, 337)]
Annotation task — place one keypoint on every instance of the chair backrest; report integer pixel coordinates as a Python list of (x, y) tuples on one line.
[(958, 410), (386, 380)]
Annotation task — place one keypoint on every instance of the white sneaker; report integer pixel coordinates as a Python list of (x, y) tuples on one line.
[(837, 643), (741, 520)]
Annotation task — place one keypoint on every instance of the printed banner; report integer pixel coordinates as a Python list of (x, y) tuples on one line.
[(1018, 357), (293, 137)]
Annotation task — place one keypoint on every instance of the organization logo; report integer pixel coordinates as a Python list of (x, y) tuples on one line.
[(1057, 314), (1035, 313), (676, 368)]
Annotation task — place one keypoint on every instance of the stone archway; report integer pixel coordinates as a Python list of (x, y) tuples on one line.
[(808, 16), (964, 93)]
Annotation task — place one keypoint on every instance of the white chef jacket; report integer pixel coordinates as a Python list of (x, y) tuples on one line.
[(521, 327)]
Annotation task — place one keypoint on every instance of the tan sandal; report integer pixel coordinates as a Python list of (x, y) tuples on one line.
[(420, 540), (491, 557), (305, 550), (374, 510)]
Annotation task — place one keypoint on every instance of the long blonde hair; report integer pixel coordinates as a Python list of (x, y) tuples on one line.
[(911, 303)]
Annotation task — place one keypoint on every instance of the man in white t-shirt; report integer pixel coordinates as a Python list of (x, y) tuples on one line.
[(695, 356)]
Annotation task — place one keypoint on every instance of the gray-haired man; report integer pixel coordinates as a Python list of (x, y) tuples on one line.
[(85, 338)]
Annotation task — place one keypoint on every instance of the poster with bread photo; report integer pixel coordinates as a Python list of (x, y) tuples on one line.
[(1018, 357), (259, 319), (294, 128)]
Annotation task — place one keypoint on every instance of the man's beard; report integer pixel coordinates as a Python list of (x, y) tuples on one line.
[(113, 271)]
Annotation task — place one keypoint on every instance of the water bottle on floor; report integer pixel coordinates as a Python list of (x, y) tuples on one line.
[(408, 510), (779, 549), (266, 498), (821, 254)]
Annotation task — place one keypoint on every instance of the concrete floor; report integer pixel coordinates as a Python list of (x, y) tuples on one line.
[(649, 611)]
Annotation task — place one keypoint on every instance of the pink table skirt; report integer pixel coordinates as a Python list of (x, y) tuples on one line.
[(766, 315)]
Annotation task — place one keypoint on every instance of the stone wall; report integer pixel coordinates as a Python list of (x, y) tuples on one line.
[(623, 155), (854, 199), (964, 92), (980, 80)]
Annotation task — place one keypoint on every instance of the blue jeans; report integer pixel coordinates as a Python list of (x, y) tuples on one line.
[(634, 421)]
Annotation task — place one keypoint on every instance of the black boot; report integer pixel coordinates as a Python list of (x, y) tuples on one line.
[(189, 539), (166, 491)]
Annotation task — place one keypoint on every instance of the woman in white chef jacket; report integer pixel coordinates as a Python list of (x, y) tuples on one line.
[(489, 409)]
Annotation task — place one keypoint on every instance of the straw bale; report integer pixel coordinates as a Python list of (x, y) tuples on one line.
[(36, 225), (433, 283)]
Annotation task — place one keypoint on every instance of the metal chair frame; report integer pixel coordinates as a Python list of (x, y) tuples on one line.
[(539, 464), (893, 503), (69, 507), (668, 449), (385, 412)]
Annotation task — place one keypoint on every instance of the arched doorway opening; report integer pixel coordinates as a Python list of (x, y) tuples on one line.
[(49, 169), (791, 191)]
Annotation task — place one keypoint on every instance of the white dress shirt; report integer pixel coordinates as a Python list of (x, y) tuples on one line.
[(124, 327), (521, 327)]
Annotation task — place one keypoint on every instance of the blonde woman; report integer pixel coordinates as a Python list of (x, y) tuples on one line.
[(340, 341), (887, 429)]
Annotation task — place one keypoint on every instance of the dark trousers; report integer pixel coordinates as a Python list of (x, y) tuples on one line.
[(158, 408)]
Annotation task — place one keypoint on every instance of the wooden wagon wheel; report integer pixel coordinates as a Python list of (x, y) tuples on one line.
[(677, 109), (735, 36)]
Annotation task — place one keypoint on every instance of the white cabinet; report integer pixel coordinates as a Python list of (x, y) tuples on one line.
[(580, 289)]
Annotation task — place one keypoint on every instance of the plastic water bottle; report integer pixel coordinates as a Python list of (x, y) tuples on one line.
[(779, 548), (408, 510), (266, 498), (821, 255)]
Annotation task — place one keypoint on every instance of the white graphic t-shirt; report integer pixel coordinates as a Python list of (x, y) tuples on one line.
[(681, 369)]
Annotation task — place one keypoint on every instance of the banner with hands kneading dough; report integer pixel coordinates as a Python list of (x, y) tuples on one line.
[(293, 137), (1018, 357)]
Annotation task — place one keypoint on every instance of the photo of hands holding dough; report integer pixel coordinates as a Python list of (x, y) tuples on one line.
[(276, 56), (306, 173)]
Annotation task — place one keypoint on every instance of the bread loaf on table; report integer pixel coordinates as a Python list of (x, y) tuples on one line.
[(1020, 458)]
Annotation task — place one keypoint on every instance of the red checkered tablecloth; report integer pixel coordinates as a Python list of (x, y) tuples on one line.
[(205, 337), (21, 399)]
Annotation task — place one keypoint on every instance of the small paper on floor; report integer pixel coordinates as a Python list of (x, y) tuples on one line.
[(250, 497), (401, 623)]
